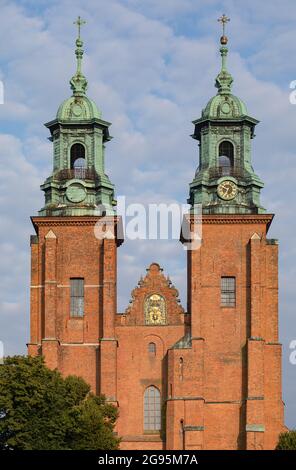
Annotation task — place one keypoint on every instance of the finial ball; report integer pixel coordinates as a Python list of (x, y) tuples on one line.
[(224, 40)]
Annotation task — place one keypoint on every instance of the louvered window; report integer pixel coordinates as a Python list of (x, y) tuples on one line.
[(77, 297), (228, 292)]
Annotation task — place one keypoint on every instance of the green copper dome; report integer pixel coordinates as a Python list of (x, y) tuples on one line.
[(224, 106), (78, 108)]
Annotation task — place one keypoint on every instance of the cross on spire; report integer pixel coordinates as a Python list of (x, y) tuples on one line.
[(223, 20), (78, 81), (79, 22), (224, 79)]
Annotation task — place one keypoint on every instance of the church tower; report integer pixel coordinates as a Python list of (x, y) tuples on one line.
[(232, 291), (225, 181), (73, 267), (78, 184)]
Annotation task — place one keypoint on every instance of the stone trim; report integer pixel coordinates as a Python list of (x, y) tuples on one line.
[(234, 218), (80, 344), (255, 398), (184, 398), (34, 240), (111, 400), (255, 428), (85, 285), (78, 220), (61, 286), (193, 428), (272, 241), (109, 339), (226, 402), (50, 339), (145, 438), (41, 221)]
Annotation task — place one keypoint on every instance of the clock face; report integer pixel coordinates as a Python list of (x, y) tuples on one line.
[(75, 192), (227, 190)]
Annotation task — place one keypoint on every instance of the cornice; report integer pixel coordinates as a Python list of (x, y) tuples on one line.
[(54, 221), (40, 221), (224, 219), (231, 218)]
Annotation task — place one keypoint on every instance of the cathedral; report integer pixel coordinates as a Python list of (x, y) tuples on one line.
[(208, 377)]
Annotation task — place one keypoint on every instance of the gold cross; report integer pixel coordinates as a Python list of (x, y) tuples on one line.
[(223, 20), (79, 22)]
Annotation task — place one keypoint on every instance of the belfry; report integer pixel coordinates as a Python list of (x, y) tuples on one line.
[(208, 377)]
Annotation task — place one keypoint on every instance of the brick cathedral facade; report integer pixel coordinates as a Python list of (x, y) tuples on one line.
[(205, 378)]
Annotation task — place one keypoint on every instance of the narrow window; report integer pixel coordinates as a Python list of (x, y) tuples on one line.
[(77, 297), (152, 349), (226, 157), (182, 434), (181, 365), (77, 156), (152, 409), (228, 292)]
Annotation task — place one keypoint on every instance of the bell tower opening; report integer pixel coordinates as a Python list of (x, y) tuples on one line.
[(226, 157), (77, 156)]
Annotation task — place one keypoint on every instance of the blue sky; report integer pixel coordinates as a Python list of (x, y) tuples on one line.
[(151, 66)]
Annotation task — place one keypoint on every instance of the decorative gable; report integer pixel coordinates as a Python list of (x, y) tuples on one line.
[(154, 302)]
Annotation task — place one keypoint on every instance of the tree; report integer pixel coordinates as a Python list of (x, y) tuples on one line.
[(287, 441), (41, 410)]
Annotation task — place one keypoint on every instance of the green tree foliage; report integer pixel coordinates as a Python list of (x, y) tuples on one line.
[(40, 410), (287, 441)]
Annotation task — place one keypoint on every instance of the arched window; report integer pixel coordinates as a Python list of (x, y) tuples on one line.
[(77, 156), (152, 349), (226, 157), (152, 409)]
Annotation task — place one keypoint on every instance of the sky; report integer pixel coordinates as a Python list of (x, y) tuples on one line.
[(151, 66)]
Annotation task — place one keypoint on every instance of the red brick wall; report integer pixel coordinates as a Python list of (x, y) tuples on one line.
[(137, 368), (222, 388), (242, 368), (65, 248)]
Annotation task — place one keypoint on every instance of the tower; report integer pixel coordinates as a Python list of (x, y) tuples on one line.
[(73, 265), (225, 181), (232, 290), (78, 184)]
